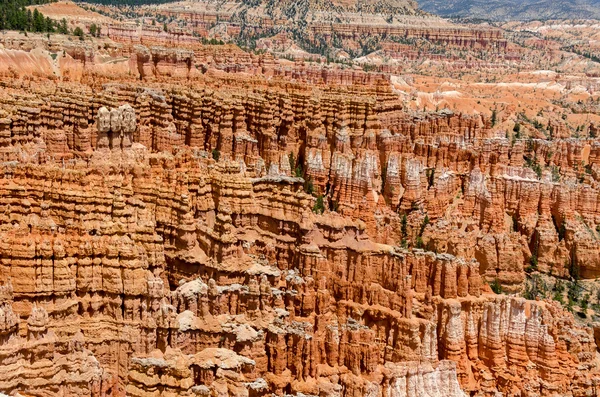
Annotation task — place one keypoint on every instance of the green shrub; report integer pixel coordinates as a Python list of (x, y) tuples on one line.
[(93, 29), (535, 287), (584, 302), (533, 261), (420, 242), (424, 225), (319, 207), (496, 286), (308, 186), (559, 298)]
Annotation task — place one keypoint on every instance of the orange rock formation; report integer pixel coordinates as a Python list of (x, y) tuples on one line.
[(161, 233)]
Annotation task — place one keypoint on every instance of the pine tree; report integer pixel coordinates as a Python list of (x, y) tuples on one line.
[(15, 16), (403, 231), (29, 22), (49, 25), (62, 27), (78, 32), (319, 205)]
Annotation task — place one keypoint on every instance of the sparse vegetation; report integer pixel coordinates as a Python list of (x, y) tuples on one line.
[(517, 130), (94, 30), (496, 286), (403, 231), (533, 264), (559, 289), (419, 242), (128, 2), (308, 186), (292, 161), (534, 165), (78, 32), (535, 288), (555, 173), (319, 206), (424, 225), (297, 171)]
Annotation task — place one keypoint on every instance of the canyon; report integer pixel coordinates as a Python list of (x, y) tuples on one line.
[(181, 217)]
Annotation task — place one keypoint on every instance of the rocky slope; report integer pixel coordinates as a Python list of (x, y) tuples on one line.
[(204, 221), (508, 10), (324, 27)]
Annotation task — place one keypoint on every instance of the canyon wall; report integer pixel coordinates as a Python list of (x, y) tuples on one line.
[(173, 230)]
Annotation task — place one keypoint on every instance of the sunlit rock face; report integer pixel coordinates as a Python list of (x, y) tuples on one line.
[(173, 231)]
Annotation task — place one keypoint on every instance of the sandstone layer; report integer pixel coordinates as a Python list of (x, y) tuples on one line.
[(204, 221)]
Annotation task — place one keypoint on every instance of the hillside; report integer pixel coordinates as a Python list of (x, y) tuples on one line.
[(505, 10)]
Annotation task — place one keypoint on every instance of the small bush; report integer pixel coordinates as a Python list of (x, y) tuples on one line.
[(573, 292), (319, 207), (333, 206), (559, 287), (555, 173), (216, 154), (496, 286), (420, 242), (309, 188), (424, 225), (93, 29), (78, 32), (533, 261), (534, 288), (559, 298), (584, 302)]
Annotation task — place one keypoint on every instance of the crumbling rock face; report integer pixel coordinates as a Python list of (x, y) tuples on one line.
[(369, 158), (39, 362), (168, 239), (175, 281)]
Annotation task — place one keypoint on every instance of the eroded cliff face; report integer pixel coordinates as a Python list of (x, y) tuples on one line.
[(171, 273), (229, 233)]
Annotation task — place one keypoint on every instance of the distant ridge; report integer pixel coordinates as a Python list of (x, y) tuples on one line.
[(503, 10)]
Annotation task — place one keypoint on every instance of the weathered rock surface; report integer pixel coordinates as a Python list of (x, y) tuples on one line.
[(165, 238)]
